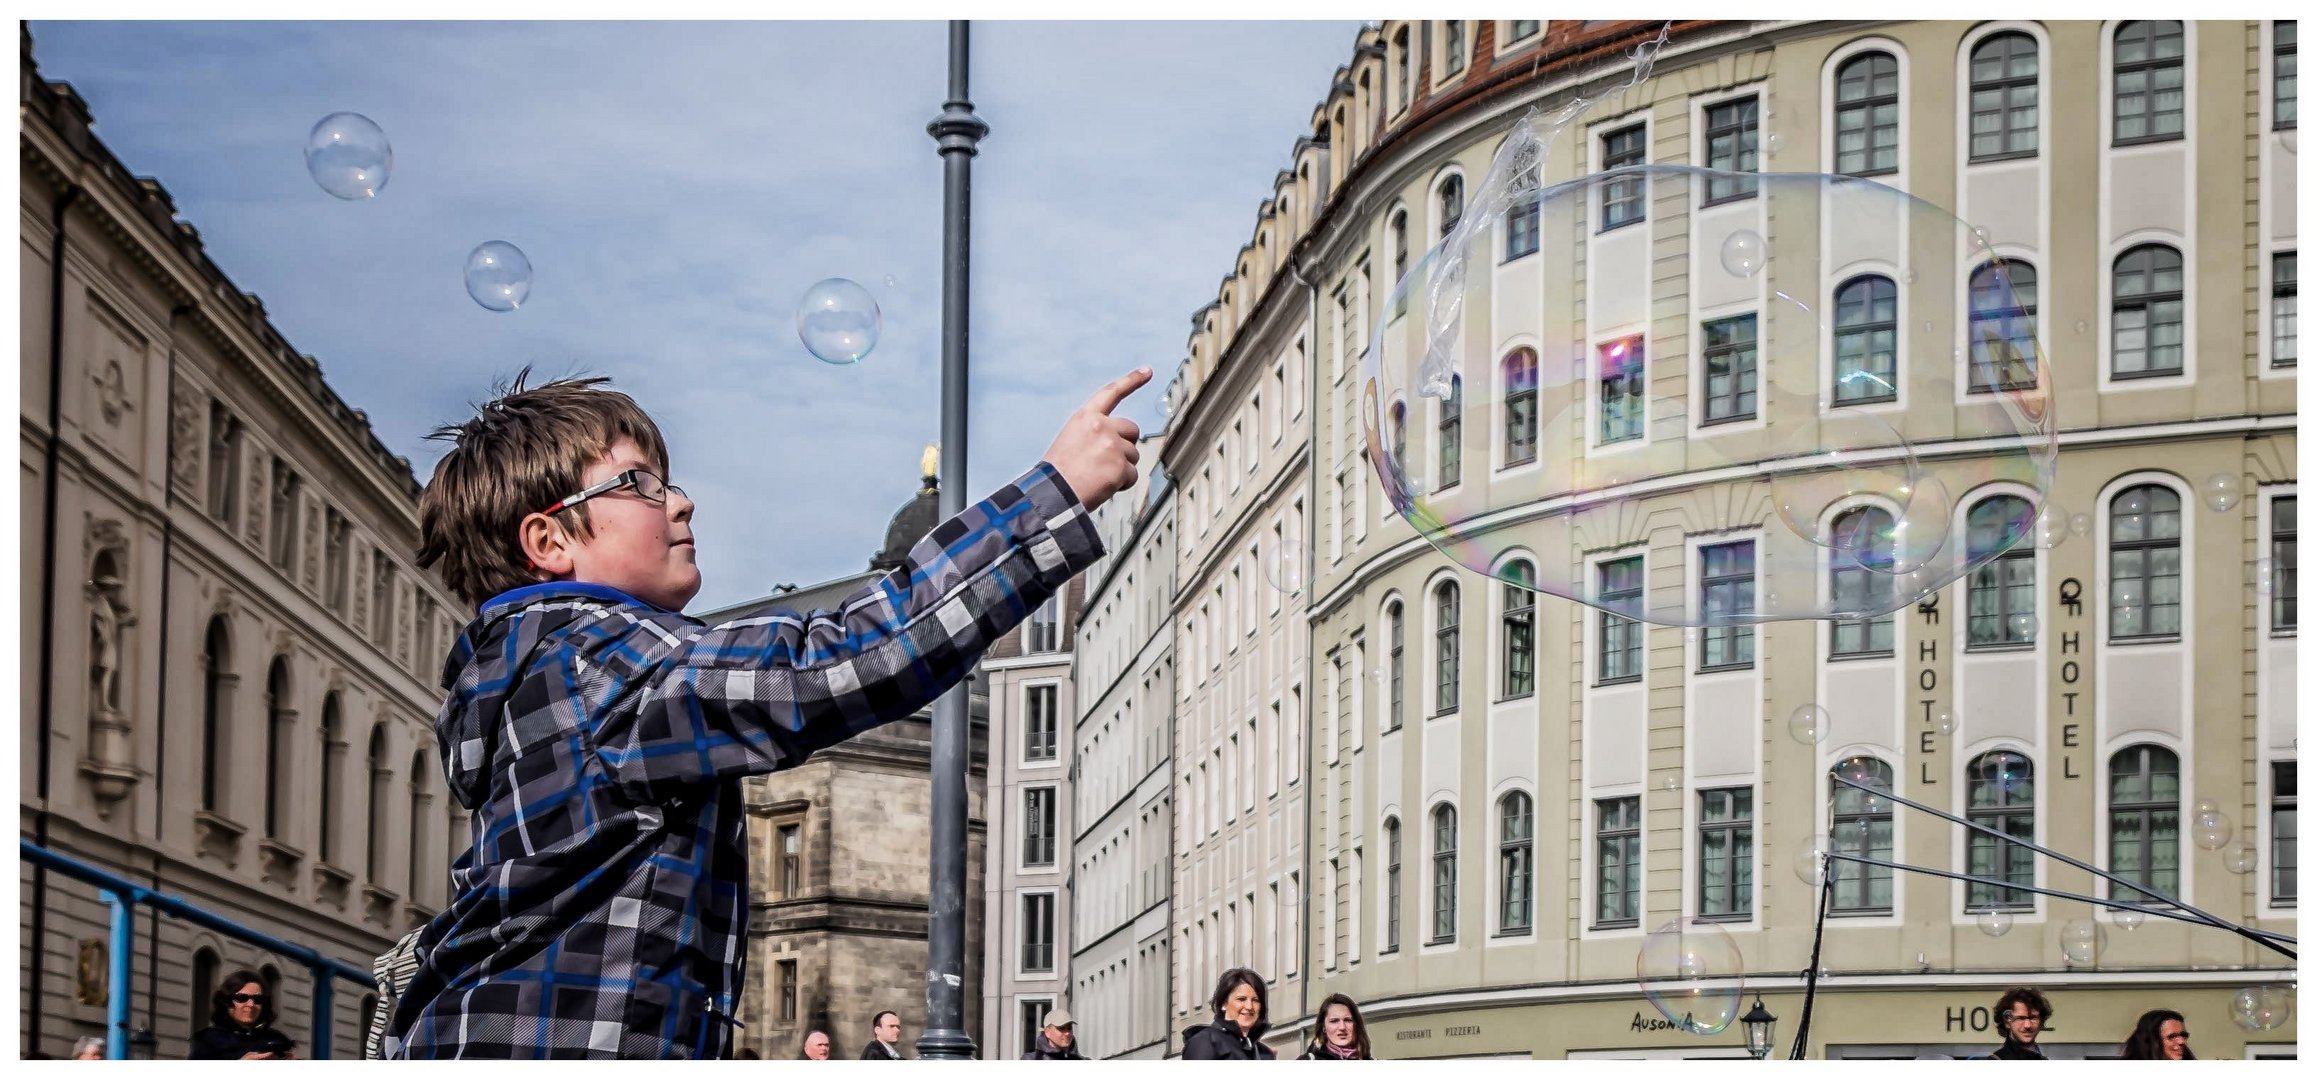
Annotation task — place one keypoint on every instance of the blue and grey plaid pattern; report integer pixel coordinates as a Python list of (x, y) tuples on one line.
[(600, 742)]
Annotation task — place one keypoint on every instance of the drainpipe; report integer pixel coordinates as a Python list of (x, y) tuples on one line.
[(161, 708), (47, 698), (1311, 496)]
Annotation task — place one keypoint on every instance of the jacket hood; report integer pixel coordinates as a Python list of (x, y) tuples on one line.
[(482, 675)]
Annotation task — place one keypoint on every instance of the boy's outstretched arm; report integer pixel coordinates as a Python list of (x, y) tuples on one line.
[(762, 693)]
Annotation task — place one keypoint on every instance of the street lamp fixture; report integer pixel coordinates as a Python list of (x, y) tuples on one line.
[(1760, 1026)]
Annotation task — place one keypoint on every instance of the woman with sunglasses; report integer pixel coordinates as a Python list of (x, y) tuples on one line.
[(241, 1024)]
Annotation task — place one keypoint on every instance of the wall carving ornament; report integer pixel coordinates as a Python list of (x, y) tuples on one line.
[(112, 392), (109, 761), (255, 532), (185, 444)]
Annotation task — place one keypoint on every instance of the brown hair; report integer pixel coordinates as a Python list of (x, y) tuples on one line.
[(521, 452), (1359, 1026), (221, 999)]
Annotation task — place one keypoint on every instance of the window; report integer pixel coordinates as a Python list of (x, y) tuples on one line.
[(1034, 1012), (1866, 115), (1522, 29), (1620, 637), (2002, 590), (1520, 407), (1400, 436), (1731, 381), (1516, 816), (2003, 97), (2003, 349), (1042, 721), (2284, 309), (1726, 853), (1617, 862), (2284, 832), (2144, 563), (1443, 875), (1403, 59), (1451, 204), (2148, 322), (217, 682), (1861, 561), (282, 519), (791, 861), (1725, 590), (2144, 822), (785, 980), (1522, 218), (381, 781), (1046, 626), (382, 574), (224, 472), (2286, 87), (1733, 132), (334, 561), (1444, 642), (333, 763), (1866, 340), (2000, 795), (1520, 632), (1399, 261), (205, 978), (419, 857), (1038, 931), (1622, 200), (1861, 825), (1392, 884), (1396, 623), (1623, 386), (1452, 434), (1038, 826), (1453, 35), (2284, 565), (2150, 95), (279, 731)]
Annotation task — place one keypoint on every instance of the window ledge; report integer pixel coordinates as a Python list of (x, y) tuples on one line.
[(1622, 924), (1879, 399), (2000, 647), (1621, 680), (2148, 639), (1605, 229), (2008, 155), (1732, 917), (1717, 421), (2136, 376), (1728, 199), (2146, 140), (1720, 668), (1885, 654), (1858, 913)]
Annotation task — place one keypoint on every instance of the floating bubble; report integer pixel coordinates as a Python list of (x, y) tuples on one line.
[(2241, 859), (2082, 939), (2223, 491), (349, 156), (890, 282), (1994, 923), (1744, 254), (2205, 805), (2004, 773), (1943, 721), (1825, 464), (2022, 626), (2261, 1008), (1671, 782), (2129, 919), (1808, 725), (838, 321), (1692, 971), (1773, 142), (2083, 327), (1873, 784), (1283, 569), (2051, 526), (2080, 524), (498, 275), (2264, 576), (2211, 829)]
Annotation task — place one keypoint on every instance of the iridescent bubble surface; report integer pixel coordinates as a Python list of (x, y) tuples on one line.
[(348, 156), (498, 275), (2261, 1008), (2082, 939), (1690, 970)]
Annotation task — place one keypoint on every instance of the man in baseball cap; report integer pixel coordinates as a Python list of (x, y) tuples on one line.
[(1057, 1039)]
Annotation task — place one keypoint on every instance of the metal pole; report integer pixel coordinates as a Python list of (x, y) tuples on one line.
[(2269, 938), (320, 1048), (117, 974), (956, 131)]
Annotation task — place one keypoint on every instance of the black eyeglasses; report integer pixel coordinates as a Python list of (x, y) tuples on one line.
[(647, 484), (245, 999)]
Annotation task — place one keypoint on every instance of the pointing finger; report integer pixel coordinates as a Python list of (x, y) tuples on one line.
[(1116, 390)]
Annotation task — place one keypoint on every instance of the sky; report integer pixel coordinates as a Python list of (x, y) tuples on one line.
[(678, 186)]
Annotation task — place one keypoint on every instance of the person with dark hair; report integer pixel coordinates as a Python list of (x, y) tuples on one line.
[(1057, 1038), (241, 1024), (886, 1045), (1343, 1036), (1242, 1015), (2020, 1014), (2161, 1035), (816, 1046)]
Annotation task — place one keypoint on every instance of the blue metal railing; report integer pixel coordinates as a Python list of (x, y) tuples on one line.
[(123, 895)]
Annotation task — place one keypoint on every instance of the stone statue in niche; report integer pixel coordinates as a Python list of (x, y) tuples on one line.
[(185, 438), (110, 761)]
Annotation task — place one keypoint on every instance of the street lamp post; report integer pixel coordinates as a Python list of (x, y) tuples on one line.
[(1761, 1028), (956, 131)]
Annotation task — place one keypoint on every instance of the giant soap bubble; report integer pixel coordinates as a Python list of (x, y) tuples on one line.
[(1692, 971), (1795, 386), (348, 156)]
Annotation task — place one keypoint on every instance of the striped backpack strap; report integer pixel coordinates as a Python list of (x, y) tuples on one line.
[(393, 972)]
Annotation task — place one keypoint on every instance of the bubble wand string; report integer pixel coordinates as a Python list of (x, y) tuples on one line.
[(1810, 977), (2266, 937)]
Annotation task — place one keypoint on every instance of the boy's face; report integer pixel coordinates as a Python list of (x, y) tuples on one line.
[(637, 546)]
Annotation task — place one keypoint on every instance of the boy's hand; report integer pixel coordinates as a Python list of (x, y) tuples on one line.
[(1096, 452)]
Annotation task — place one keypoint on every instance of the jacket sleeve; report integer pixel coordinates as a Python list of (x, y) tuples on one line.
[(762, 693), (1198, 1048)]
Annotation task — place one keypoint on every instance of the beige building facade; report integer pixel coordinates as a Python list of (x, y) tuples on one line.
[(1510, 791), (229, 663)]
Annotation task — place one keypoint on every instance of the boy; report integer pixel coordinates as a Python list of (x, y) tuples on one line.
[(600, 737)]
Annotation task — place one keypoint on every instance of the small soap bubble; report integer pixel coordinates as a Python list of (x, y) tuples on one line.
[(2223, 491), (1943, 721), (2005, 773), (1872, 780), (2022, 626), (2242, 859), (2261, 1008), (890, 282), (1774, 142), (1994, 923), (1744, 254), (2083, 327), (838, 321), (1691, 970), (498, 275), (2080, 524), (2205, 805), (2082, 939), (1283, 569), (2211, 829), (348, 155), (2051, 526), (1808, 725), (1810, 861), (2264, 576), (2130, 919)]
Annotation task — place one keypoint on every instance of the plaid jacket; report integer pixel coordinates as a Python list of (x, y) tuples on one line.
[(600, 741)]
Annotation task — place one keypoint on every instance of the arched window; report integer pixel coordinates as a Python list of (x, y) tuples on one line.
[(1520, 407), (1861, 559), (1861, 825), (1443, 874), (2148, 326), (1453, 36), (2144, 563), (1451, 203), (1520, 632), (2003, 97), (217, 683), (2151, 88), (1866, 340), (1403, 66), (2003, 349), (333, 768), (1396, 627), (422, 865), (2002, 592), (1391, 884), (1866, 115), (2144, 822), (381, 779), (1444, 649), (278, 740), (207, 969), (2000, 795), (1399, 262), (1400, 436), (1515, 862), (1452, 434)]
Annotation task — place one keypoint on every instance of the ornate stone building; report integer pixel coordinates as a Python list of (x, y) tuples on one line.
[(229, 664)]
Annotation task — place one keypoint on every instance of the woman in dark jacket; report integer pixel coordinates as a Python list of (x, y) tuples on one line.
[(1343, 1036), (2161, 1035), (241, 1024), (1242, 1013)]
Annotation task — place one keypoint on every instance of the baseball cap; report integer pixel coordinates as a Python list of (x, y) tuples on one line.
[(1057, 1018)]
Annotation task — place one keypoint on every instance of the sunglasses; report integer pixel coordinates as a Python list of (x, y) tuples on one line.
[(647, 484), (245, 999)]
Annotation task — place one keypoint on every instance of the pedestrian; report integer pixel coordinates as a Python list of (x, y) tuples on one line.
[(600, 737), (886, 1045), (1242, 1011), (2161, 1035), (2020, 1014), (241, 1024), (1057, 1038), (816, 1046), (1343, 1036), (89, 1048)]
